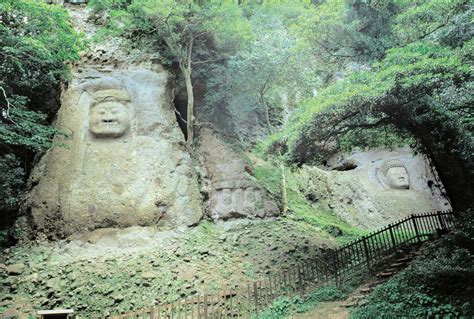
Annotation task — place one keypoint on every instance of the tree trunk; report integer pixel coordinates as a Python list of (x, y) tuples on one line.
[(266, 111), (284, 200), (456, 174), (267, 118), (190, 106), (186, 69)]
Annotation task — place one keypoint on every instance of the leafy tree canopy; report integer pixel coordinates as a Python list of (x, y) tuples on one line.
[(421, 87), (36, 41)]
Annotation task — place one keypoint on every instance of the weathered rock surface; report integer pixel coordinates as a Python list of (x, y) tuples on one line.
[(125, 163), (231, 190), (382, 187), (15, 269)]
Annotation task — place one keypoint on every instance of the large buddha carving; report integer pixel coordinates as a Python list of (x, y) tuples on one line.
[(125, 164), (394, 174)]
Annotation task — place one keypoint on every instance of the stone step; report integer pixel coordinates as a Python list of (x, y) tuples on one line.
[(404, 259), (398, 265), (385, 274), (366, 290), (391, 270), (349, 304)]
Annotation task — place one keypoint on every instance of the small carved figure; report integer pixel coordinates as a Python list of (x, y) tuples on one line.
[(108, 117), (395, 174)]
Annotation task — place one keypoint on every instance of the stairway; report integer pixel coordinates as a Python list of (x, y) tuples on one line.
[(387, 272)]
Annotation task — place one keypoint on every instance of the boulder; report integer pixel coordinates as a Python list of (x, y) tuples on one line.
[(15, 269)]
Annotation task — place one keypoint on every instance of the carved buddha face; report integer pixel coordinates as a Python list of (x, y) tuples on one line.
[(109, 117), (397, 177)]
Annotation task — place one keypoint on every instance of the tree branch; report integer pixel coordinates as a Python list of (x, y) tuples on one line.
[(6, 113)]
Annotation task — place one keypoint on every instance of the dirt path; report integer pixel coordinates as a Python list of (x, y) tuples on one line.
[(325, 310)]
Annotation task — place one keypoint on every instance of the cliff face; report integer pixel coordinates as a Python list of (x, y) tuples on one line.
[(124, 163)]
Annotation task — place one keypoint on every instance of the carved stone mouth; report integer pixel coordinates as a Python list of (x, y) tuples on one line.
[(107, 121)]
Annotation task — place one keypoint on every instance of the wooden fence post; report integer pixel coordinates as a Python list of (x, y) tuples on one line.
[(366, 252), (152, 312), (255, 296), (392, 237), (336, 266), (198, 303), (415, 225), (300, 282), (205, 307)]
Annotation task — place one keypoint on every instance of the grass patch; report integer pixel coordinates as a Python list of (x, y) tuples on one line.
[(302, 210), (283, 307)]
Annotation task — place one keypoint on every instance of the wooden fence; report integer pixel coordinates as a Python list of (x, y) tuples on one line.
[(332, 267)]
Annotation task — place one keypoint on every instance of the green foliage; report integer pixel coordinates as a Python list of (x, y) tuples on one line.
[(36, 42), (279, 308), (328, 293), (387, 137), (172, 25), (437, 284), (434, 20), (342, 31), (422, 90), (410, 52), (30, 130), (102, 5), (11, 181), (262, 82)]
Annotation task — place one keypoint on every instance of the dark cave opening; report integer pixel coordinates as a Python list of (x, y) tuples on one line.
[(180, 104)]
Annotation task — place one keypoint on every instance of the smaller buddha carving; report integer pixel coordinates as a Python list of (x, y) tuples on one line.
[(394, 174), (109, 116)]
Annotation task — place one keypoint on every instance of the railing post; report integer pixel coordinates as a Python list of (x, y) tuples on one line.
[(366, 252), (255, 296), (415, 225), (300, 282), (152, 312), (392, 237), (336, 266), (205, 307), (441, 221)]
